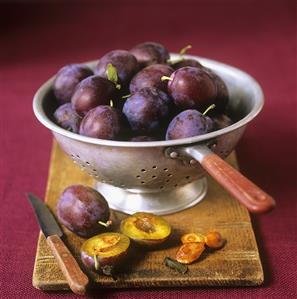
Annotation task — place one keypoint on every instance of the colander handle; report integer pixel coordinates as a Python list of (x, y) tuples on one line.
[(245, 191)]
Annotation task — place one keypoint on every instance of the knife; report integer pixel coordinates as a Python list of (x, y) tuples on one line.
[(76, 279)]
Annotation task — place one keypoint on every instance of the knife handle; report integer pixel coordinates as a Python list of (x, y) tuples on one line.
[(76, 279)]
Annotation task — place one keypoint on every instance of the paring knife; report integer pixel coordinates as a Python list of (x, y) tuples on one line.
[(76, 279)]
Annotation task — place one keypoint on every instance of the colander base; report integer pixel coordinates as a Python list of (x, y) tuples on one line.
[(159, 203)]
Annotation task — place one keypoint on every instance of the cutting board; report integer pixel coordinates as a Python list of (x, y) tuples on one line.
[(236, 264)]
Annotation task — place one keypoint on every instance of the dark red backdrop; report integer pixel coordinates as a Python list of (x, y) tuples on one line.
[(259, 37)]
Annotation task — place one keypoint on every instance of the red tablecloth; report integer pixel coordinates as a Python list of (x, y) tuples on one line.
[(257, 36)]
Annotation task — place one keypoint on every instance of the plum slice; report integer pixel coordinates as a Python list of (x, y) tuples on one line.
[(146, 228), (104, 253)]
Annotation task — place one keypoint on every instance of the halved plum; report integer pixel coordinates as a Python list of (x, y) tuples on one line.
[(146, 228), (104, 253)]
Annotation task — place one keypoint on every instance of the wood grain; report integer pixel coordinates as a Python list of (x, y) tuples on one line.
[(236, 264), (76, 279)]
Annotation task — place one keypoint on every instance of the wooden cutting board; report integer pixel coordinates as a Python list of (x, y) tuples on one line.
[(236, 264)]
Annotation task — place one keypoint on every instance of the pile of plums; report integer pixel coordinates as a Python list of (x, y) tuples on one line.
[(141, 95)]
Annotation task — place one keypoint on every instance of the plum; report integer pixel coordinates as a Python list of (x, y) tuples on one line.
[(147, 109), (146, 228), (192, 88), (67, 118), (81, 208), (222, 97), (189, 123), (186, 62), (124, 62), (150, 53), (222, 121), (103, 122), (66, 80), (92, 92), (105, 252), (150, 76), (142, 138), (181, 61)]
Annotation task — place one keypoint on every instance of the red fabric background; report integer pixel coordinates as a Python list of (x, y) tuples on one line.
[(257, 36)]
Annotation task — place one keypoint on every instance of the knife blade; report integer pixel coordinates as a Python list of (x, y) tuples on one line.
[(76, 279), (45, 218)]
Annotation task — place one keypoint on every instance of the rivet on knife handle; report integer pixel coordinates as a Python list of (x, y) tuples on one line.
[(76, 279)]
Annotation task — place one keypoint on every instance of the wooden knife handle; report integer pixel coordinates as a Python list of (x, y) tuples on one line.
[(76, 279), (249, 194)]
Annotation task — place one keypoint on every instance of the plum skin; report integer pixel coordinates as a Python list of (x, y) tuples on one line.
[(222, 121), (222, 97), (142, 138), (186, 62), (92, 92), (67, 118), (150, 53), (67, 79), (80, 208), (188, 123), (103, 122), (192, 88), (147, 109), (124, 62), (150, 76)]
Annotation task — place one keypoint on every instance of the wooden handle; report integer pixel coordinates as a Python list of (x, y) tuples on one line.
[(249, 194), (76, 279)]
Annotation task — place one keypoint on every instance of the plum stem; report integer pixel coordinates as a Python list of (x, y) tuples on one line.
[(126, 96), (166, 78), (209, 108), (106, 224), (184, 50), (173, 61), (96, 262)]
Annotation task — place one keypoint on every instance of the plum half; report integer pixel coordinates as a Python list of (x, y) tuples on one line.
[(146, 228), (104, 253)]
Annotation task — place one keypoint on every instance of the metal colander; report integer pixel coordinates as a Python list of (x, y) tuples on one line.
[(164, 176)]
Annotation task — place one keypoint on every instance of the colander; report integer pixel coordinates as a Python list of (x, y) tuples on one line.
[(163, 177)]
